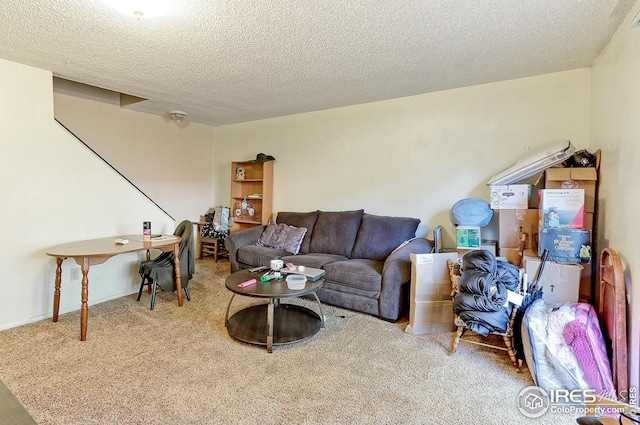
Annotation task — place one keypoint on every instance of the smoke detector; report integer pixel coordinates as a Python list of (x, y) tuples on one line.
[(178, 115), (140, 8)]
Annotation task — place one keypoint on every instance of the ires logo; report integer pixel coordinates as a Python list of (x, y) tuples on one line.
[(563, 396), (534, 402)]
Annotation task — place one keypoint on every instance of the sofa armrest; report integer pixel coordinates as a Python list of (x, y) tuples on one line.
[(414, 246), (237, 240), (395, 272)]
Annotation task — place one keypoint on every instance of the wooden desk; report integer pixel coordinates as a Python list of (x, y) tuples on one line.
[(97, 251)]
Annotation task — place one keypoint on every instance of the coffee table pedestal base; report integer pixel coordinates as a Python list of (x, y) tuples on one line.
[(274, 323)]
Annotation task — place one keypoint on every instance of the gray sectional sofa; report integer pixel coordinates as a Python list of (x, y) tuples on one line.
[(365, 256)]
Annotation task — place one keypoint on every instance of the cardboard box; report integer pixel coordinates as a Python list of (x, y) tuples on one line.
[(586, 283), (564, 245), (512, 255), (430, 317), (430, 306), (510, 197), (468, 237), (586, 279), (562, 208), (487, 244), (574, 178), (430, 277), (588, 221), (511, 225), (560, 282)]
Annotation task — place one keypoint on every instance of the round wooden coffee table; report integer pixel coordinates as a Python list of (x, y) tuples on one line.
[(272, 323)]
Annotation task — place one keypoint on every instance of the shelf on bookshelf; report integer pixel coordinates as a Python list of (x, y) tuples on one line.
[(246, 221)]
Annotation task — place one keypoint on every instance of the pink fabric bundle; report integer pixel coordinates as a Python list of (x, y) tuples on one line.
[(587, 344)]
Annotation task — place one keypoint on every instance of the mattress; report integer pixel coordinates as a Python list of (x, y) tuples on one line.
[(534, 164), (564, 348)]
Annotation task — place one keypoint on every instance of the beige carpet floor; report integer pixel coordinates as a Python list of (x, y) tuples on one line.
[(179, 366)]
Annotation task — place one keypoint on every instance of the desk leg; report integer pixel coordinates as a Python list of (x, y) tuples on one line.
[(176, 262), (56, 292), (84, 307)]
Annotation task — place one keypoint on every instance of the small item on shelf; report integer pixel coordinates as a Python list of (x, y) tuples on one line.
[(262, 157), (244, 205), (240, 173)]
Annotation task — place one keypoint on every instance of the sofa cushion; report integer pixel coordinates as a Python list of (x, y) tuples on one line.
[(298, 219), (335, 232), (380, 235), (255, 255), (282, 236), (359, 275), (316, 261)]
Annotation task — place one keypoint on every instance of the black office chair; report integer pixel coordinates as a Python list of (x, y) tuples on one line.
[(159, 273)]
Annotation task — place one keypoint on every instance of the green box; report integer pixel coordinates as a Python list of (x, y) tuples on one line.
[(468, 237)]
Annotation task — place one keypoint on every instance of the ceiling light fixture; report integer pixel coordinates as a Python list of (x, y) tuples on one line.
[(177, 115), (140, 8)]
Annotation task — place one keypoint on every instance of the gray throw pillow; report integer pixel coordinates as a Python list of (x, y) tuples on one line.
[(283, 237), (300, 219)]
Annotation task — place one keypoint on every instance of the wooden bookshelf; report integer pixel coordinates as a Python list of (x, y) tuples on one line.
[(257, 189)]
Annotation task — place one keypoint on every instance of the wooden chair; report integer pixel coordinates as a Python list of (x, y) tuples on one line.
[(159, 273), (507, 336), (210, 246)]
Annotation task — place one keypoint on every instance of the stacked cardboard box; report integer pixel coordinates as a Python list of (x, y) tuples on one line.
[(430, 303), (586, 179), (561, 223), (560, 281)]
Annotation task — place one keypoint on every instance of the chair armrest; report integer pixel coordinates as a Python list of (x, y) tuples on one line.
[(237, 240)]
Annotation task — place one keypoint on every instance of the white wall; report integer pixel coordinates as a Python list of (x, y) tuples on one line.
[(414, 156), (170, 162), (53, 191), (615, 114)]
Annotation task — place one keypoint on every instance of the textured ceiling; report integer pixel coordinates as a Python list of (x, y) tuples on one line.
[(229, 61)]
